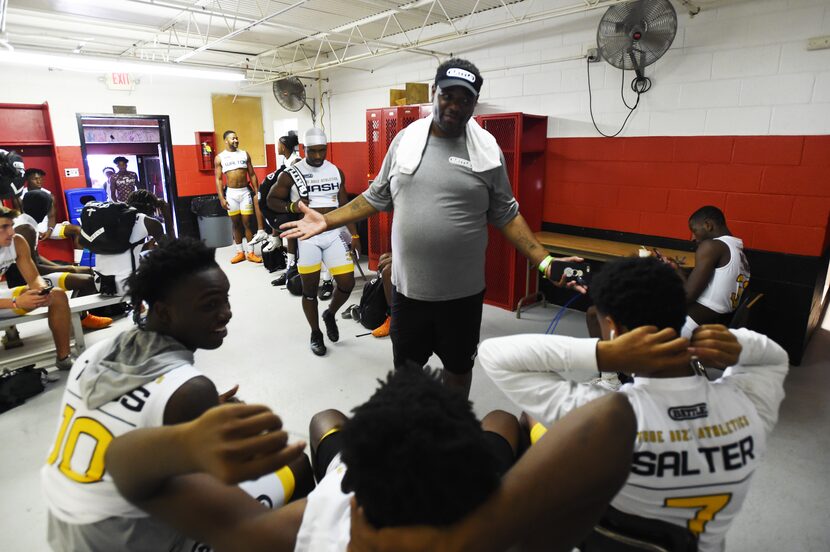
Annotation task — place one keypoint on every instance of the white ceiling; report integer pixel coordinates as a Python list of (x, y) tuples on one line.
[(268, 38)]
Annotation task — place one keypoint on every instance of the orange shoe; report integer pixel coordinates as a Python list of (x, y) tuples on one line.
[(252, 257), (92, 322), (383, 329), (238, 258)]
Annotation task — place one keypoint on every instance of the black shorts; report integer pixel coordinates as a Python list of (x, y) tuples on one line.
[(450, 329), (332, 444), (275, 219)]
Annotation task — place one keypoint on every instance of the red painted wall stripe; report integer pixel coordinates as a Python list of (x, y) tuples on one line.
[(775, 190)]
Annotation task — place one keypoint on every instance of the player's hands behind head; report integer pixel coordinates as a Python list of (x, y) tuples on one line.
[(643, 351), (238, 442), (715, 346)]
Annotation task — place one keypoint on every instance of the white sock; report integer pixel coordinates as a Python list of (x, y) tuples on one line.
[(292, 258), (246, 246), (238, 247), (324, 274)]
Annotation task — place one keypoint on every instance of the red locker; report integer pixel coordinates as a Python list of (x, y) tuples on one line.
[(373, 141), (378, 139), (522, 139)]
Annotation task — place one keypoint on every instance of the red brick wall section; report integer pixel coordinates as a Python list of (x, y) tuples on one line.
[(69, 157), (774, 190), (191, 181), (352, 159)]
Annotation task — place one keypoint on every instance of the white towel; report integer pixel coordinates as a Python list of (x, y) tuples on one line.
[(482, 147)]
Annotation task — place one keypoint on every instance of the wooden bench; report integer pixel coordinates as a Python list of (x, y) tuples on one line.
[(591, 249), (77, 306)]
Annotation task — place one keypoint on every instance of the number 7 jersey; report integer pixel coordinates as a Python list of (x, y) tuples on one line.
[(75, 481)]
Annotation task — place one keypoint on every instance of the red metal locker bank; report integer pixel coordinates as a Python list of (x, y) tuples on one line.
[(382, 125), (522, 139)]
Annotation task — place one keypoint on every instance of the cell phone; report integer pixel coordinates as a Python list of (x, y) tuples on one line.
[(45, 291), (573, 272)]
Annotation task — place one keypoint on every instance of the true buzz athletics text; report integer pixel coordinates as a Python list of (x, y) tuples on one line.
[(705, 459)]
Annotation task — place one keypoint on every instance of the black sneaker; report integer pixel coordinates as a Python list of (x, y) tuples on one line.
[(326, 290), (317, 345), (283, 278), (331, 326)]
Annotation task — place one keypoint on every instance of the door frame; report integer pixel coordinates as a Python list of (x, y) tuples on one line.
[(165, 141)]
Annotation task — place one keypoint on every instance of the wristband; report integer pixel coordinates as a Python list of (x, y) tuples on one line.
[(355, 237), (543, 266), (291, 207)]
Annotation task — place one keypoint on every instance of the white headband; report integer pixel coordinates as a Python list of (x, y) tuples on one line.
[(315, 137)]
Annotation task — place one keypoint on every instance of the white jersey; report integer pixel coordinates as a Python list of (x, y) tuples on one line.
[(729, 281), (698, 442), (76, 484), (121, 265), (27, 220), (320, 184), (327, 518), (8, 256), (233, 160)]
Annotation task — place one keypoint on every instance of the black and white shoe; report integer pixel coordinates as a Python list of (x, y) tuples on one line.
[(326, 290), (318, 347), (331, 326), (283, 278)]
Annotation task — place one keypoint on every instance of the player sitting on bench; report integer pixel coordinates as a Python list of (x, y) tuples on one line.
[(721, 272), (19, 300), (78, 279)]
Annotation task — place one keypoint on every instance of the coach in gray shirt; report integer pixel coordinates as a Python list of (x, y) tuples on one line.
[(442, 207)]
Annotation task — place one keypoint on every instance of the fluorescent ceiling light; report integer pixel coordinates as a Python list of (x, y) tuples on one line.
[(102, 65)]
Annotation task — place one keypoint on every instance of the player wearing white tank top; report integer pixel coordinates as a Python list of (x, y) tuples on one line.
[(15, 301), (235, 166), (320, 185), (721, 273), (698, 441)]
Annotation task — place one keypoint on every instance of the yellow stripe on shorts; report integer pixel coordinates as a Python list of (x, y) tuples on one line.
[(537, 432), (342, 269), (286, 477), (308, 269), (62, 280), (17, 292)]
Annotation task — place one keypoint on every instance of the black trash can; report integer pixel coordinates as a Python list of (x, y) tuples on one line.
[(214, 223)]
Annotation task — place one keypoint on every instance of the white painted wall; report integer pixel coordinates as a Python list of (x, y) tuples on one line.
[(187, 101), (740, 68)]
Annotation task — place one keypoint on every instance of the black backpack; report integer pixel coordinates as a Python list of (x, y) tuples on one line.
[(18, 385), (106, 227), (274, 260), (264, 189), (373, 307)]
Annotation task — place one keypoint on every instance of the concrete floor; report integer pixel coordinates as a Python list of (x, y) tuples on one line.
[(266, 353)]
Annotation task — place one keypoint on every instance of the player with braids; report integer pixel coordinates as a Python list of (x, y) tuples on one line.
[(144, 377), (698, 441)]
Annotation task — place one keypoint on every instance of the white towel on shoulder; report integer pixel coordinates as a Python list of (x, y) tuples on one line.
[(482, 147)]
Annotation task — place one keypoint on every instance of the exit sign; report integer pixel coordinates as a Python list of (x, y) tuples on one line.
[(120, 81)]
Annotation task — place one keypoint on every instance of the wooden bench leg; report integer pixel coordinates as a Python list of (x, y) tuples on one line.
[(78, 332)]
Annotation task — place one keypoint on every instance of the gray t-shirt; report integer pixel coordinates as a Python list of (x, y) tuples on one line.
[(439, 229)]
